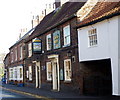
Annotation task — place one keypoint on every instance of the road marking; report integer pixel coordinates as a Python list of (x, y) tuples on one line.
[(27, 93), (4, 95)]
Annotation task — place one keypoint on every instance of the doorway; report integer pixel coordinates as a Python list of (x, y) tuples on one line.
[(55, 72), (38, 75)]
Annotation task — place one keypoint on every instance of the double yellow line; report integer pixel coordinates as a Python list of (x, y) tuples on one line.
[(27, 93)]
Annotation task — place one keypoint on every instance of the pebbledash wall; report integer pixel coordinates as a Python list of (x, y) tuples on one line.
[(107, 48)]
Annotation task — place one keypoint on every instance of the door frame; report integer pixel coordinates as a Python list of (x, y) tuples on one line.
[(38, 73), (56, 82)]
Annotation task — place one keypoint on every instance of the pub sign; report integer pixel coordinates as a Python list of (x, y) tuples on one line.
[(37, 45)]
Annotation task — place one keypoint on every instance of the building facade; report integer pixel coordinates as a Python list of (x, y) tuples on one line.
[(55, 65)]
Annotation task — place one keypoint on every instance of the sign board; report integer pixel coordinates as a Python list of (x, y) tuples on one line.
[(37, 45)]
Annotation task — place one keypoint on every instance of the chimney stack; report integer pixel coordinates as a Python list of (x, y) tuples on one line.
[(59, 3)]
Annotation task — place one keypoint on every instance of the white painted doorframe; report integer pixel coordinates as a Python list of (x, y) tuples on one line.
[(38, 75), (55, 72)]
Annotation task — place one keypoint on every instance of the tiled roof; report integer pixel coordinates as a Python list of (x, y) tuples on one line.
[(55, 18), (101, 11)]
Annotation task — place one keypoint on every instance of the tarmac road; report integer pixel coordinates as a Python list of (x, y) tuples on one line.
[(8, 95)]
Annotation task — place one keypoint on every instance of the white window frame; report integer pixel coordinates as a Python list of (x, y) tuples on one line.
[(10, 73), (30, 49), (18, 73), (47, 71), (66, 36), (92, 38), (15, 76), (47, 42), (30, 73), (65, 70)]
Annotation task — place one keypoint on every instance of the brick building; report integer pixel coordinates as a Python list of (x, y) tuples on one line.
[(16, 63), (55, 66)]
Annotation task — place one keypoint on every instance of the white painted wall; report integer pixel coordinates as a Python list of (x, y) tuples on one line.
[(107, 34), (107, 40)]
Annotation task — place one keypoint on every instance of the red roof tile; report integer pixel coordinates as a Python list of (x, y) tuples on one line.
[(101, 11)]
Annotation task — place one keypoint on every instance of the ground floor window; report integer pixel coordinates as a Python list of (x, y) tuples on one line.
[(21, 73), (49, 71), (15, 73), (67, 69), (10, 73)]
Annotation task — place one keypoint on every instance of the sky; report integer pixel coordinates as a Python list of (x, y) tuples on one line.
[(15, 15)]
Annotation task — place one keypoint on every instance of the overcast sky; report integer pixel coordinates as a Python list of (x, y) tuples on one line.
[(17, 14)]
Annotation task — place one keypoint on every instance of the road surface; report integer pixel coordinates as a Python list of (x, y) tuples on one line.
[(8, 95)]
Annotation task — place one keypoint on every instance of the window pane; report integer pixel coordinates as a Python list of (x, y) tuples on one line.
[(66, 31), (92, 37), (49, 41), (67, 69)]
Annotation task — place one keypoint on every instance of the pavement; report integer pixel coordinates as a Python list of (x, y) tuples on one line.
[(37, 93)]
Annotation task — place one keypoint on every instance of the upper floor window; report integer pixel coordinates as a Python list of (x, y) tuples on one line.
[(29, 49), (67, 69), (49, 42), (21, 52), (66, 33), (92, 36), (56, 39)]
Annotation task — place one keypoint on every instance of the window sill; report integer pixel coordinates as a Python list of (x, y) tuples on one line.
[(29, 56), (93, 46), (49, 80), (66, 45), (67, 81)]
